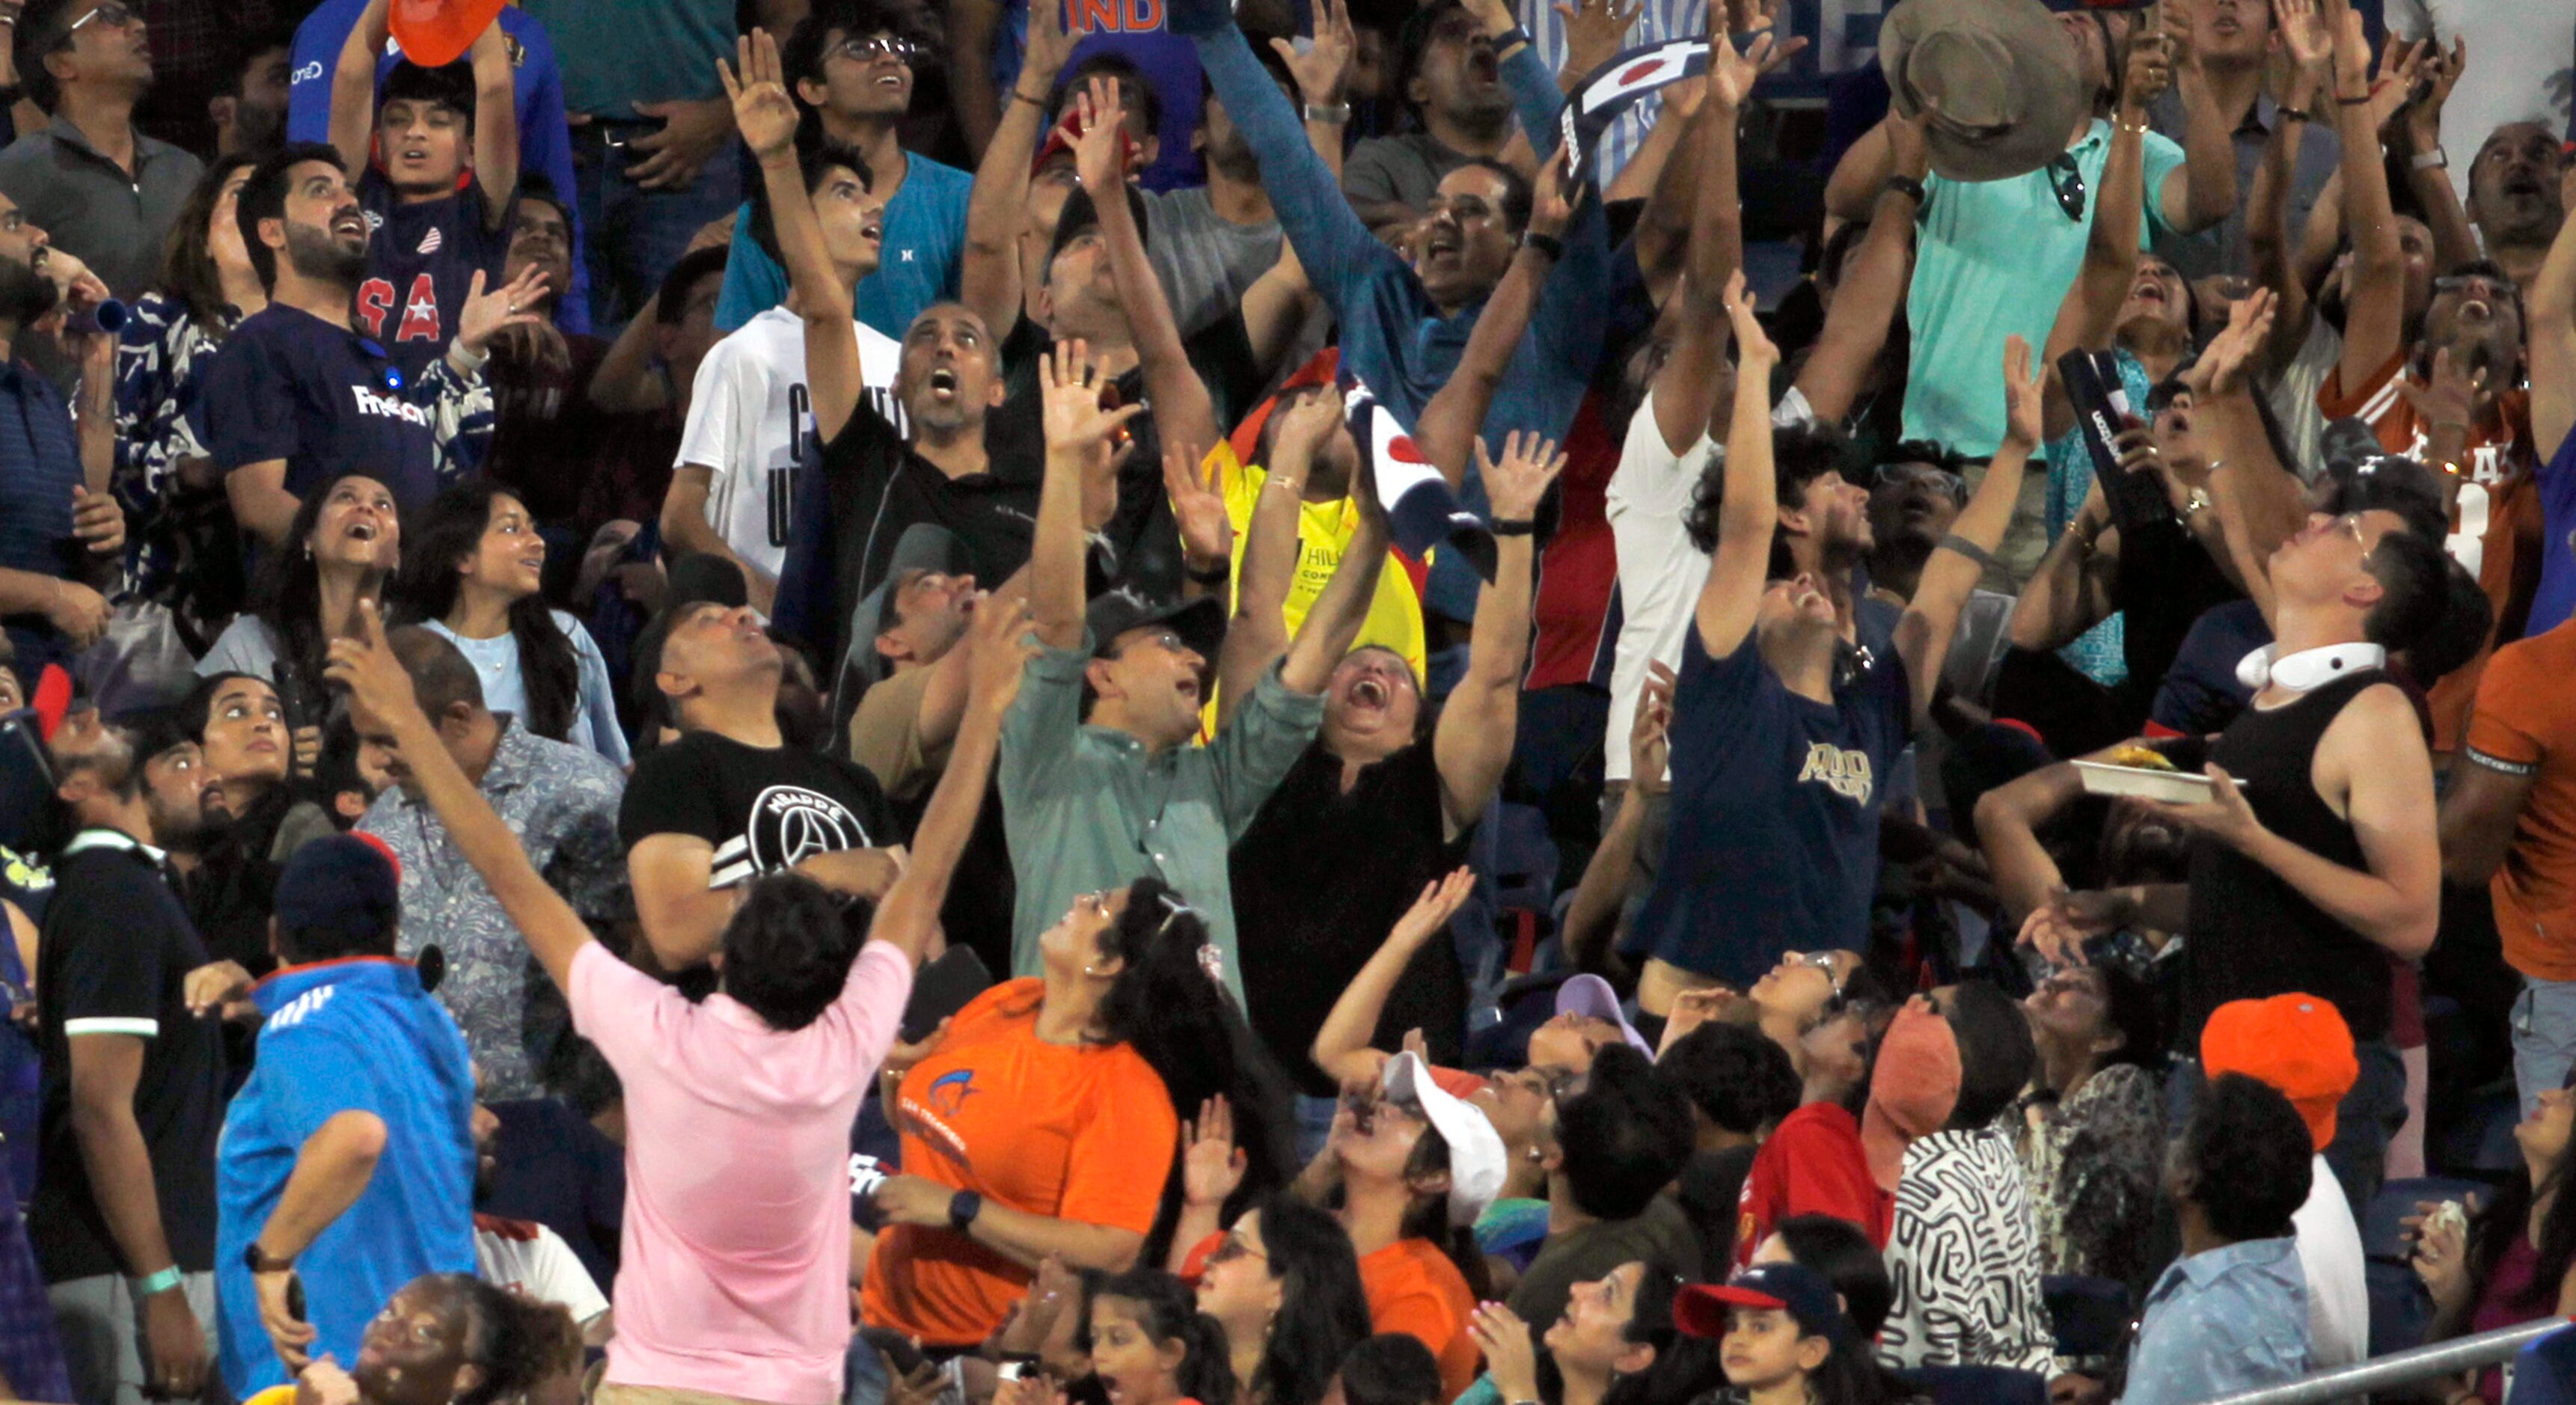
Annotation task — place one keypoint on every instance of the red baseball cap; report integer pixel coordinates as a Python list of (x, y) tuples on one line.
[(434, 33)]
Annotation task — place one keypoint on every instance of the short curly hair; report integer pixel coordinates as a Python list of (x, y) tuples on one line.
[(1738, 1078), (2244, 1158), (787, 950)]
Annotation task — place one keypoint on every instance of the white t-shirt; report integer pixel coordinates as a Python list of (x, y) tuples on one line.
[(2522, 50), (527, 1257), (2330, 1255), (749, 391), (1660, 572)]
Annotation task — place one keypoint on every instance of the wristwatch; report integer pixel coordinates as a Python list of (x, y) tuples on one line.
[(1335, 113), (262, 1263), (2434, 160), (963, 1207)]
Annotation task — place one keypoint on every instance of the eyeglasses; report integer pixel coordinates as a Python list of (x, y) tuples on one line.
[(112, 15), (2351, 522), (876, 46), (2068, 182), (1230, 1249), (1898, 475)]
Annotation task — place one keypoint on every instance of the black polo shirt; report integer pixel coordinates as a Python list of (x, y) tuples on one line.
[(113, 958)]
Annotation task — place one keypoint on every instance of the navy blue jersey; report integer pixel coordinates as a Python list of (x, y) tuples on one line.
[(421, 260), (288, 385)]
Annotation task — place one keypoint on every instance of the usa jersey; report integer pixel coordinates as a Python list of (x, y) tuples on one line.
[(421, 260), (751, 422)]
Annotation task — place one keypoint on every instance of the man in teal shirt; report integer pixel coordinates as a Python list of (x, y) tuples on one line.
[(850, 66), (1096, 802)]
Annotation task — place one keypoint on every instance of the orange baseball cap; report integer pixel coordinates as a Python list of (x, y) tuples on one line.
[(1912, 1089), (434, 33), (2297, 1043)]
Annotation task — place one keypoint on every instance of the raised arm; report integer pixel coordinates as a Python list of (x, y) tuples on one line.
[(997, 207), (1852, 191), (2070, 592), (1686, 388), (1448, 430), (1342, 1044), (1000, 652), (1307, 197), (2268, 237), (1323, 79), (1932, 617), (1872, 291), (2203, 192), (2455, 241), (353, 90), (383, 704), (1078, 434), (1749, 509), (1184, 413), (1259, 632), (970, 29), (766, 116), (2374, 326), (2091, 310), (496, 124), (1473, 742)]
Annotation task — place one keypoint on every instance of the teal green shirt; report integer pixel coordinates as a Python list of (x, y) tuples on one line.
[(1087, 808), (1995, 258), (614, 56)]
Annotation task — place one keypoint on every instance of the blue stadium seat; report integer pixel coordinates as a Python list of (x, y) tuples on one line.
[(2399, 1307), (1979, 1385), (2092, 1316)]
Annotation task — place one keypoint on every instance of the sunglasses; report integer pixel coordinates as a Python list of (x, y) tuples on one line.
[(2068, 182), (113, 16)]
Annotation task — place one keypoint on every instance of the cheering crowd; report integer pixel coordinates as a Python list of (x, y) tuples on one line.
[(1312, 702)]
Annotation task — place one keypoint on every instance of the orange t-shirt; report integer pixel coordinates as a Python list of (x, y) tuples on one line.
[(1071, 1132), (2495, 520), (2524, 726), (1412, 1288)]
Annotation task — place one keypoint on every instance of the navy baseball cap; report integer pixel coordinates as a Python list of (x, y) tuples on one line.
[(1701, 1309), (349, 884)]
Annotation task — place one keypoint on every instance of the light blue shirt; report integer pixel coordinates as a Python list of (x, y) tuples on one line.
[(1996, 258), (505, 686), (2222, 1321), (925, 242)]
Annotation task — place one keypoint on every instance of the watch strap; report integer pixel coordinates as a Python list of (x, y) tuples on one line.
[(963, 1207)]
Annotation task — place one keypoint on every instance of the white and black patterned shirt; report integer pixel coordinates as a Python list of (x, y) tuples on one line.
[(1964, 1257)]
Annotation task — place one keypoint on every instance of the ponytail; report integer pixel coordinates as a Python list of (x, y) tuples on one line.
[(1168, 1004)]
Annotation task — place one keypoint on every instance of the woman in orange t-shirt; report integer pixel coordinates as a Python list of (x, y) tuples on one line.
[(1417, 1166), (1042, 1121)]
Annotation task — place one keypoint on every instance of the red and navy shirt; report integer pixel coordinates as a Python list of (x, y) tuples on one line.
[(421, 261)]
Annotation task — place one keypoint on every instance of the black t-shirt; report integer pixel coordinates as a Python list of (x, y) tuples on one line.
[(849, 517), (1710, 1184), (113, 959), (1319, 879), (1141, 530), (763, 808), (421, 262)]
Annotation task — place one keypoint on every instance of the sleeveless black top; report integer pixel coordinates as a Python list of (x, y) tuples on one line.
[(2252, 935)]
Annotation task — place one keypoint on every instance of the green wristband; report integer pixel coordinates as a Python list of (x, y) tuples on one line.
[(152, 1285)]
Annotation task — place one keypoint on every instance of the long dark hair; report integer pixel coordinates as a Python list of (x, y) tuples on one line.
[(188, 272), (1427, 1216), (1167, 1005), (2494, 1230), (1171, 1314), (287, 597), (1684, 1368), (446, 535), (1323, 1311)]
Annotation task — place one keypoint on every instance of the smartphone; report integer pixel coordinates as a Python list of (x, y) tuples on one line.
[(2102, 415)]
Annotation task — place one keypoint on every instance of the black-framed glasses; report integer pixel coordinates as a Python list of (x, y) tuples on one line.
[(872, 47), (2068, 181)]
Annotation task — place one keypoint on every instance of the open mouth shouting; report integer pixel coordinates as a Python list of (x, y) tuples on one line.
[(350, 223), (942, 384)]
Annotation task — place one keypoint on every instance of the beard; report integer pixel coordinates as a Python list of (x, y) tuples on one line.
[(313, 253), (25, 294)]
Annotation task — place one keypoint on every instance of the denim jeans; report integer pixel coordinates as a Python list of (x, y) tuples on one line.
[(632, 235), (2544, 1038), (2365, 1121)]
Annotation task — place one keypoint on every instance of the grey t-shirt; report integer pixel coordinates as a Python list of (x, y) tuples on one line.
[(1206, 262), (1405, 168)]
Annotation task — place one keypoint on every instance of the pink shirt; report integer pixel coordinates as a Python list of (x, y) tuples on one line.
[(735, 1259)]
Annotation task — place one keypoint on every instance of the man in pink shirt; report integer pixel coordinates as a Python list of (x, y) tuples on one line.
[(735, 1260)]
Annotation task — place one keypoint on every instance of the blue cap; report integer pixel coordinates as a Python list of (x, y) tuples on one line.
[(345, 883), (1701, 1309)]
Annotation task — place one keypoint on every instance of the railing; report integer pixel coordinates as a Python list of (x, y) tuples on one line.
[(2402, 1368)]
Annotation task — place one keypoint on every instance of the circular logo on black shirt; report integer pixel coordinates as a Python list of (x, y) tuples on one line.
[(790, 824)]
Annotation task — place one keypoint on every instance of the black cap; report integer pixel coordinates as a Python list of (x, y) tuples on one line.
[(700, 578), (1080, 213), (1200, 623)]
